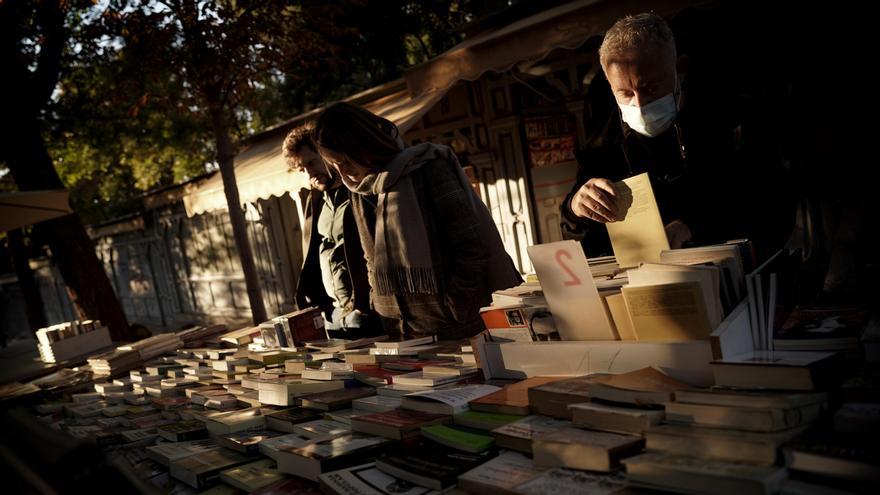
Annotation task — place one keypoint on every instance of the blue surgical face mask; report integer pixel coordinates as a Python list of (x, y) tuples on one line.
[(654, 118)]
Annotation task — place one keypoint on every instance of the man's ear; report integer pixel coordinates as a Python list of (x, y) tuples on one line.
[(681, 67)]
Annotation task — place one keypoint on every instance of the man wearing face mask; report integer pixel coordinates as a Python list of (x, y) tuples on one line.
[(334, 275), (686, 136)]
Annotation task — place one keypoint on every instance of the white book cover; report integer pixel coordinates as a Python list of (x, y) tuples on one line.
[(401, 351), (406, 343), (457, 398)]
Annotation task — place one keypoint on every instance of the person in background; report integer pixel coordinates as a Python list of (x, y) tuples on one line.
[(434, 254), (334, 274), (713, 163)]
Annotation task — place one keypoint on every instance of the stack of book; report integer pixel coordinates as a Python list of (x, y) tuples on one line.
[(115, 362), (373, 416), (589, 450), (335, 400), (66, 340), (285, 331), (503, 474), (628, 403), (253, 476), (519, 314), (658, 282), (241, 336), (835, 329), (779, 370), (428, 464), (513, 399), (667, 472), (154, 346), (412, 347), (834, 461), (318, 456), (195, 335), (396, 424), (373, 374), (434, 375), (681, 294), (732, 425), (446, 401), (554, 397), (285, 391), (728, 440)]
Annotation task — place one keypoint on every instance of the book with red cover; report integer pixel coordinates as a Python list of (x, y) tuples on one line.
[(373, 374), (305, 325), (285, 419), (413, 364), (333, 400), (397, 424)]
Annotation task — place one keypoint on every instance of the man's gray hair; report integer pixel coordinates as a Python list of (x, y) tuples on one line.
[(645, 33)]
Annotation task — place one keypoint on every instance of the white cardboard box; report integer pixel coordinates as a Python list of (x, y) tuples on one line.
[(687, 361)]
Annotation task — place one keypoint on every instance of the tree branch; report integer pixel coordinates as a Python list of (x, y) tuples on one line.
[(51, 17)]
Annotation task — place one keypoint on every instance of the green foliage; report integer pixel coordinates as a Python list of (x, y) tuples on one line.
[(131, 110), (391, 35)]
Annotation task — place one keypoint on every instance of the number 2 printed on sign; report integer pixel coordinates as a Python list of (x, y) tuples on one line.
[(574, 280)]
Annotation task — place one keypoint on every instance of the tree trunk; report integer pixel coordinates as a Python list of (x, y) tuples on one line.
[(226, 162), (71, 248), (24, 94), (33, 300)]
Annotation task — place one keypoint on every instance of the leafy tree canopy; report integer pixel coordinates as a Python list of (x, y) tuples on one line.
[(129, 112)]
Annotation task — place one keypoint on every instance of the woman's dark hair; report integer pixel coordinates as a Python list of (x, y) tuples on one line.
[(365, 138)]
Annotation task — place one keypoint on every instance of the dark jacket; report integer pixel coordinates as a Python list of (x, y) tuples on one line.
[(461, 249), (310, 286), (718, 169)]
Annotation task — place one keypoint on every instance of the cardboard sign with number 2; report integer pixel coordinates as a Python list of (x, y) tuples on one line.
[(570, 291)]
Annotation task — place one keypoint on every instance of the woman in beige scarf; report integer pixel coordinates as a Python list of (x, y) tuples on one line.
[(433, 252)]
